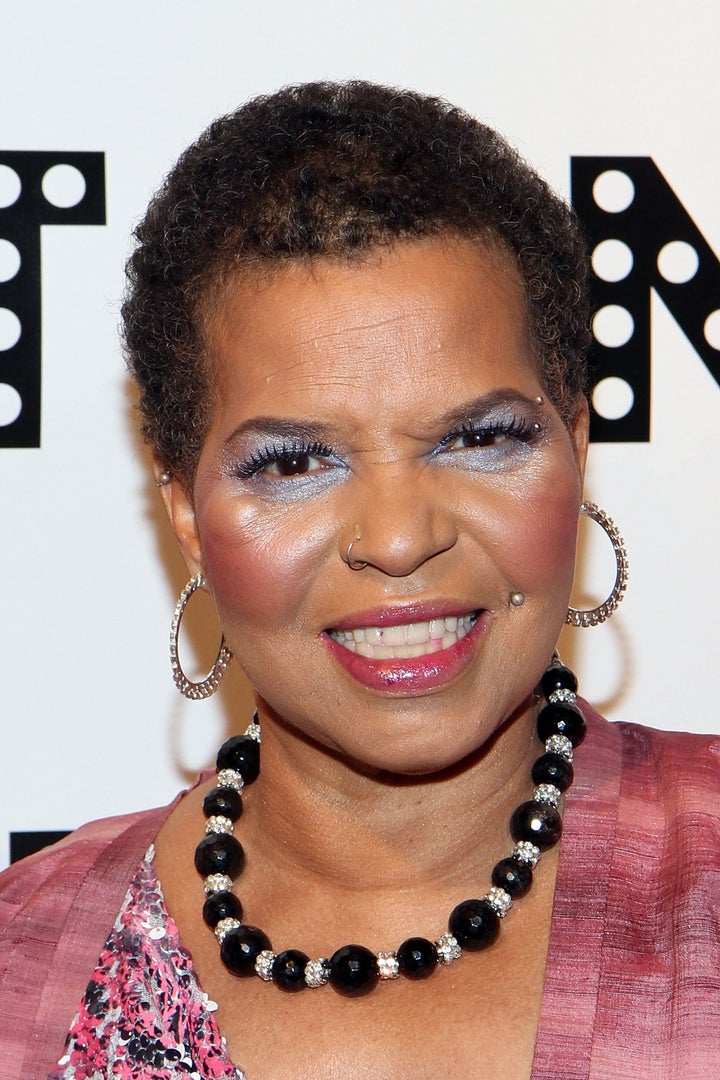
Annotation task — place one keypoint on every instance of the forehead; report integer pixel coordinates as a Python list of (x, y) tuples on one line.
[(419, 311)]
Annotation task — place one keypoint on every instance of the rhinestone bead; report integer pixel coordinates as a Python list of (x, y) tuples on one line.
[(547, 793), (263, 964), (288, 970), (229, 778), (561, 745), (448, 948), (253, 731), (216, 883), (353, 970), (387, 965), (525, 852), (499, 900), (218, 825), (559, 696), (475, 924), (224, 927), (417, 958), (317, 972)]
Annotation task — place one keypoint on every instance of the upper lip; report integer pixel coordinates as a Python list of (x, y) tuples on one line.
[(398, 615)]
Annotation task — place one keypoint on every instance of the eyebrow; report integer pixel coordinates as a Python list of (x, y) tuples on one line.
[(296, 428)]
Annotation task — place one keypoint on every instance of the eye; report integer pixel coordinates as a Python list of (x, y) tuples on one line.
[(295, 464), (286, 461), (513, 431), (469, 440)]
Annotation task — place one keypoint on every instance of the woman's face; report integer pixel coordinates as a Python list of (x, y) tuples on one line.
[(394, 399)]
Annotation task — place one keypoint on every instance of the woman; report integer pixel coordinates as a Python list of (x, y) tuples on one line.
[(358, 323)]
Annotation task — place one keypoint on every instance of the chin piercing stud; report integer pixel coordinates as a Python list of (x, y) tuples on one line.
[(517, 599)]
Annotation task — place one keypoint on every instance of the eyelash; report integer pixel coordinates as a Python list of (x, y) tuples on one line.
[(517, 428), (277, 453)]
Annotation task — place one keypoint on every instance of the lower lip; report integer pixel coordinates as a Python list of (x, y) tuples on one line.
[(412, 676)]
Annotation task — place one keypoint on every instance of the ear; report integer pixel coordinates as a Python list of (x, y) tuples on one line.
[(580, 436), (180, 510)]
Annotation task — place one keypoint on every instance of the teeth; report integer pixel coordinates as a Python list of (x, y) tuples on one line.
[(407, 641)]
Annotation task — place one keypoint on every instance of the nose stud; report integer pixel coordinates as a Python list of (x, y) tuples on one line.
[(354, 564)]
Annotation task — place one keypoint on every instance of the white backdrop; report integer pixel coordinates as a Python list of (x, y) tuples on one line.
[(91, 722)]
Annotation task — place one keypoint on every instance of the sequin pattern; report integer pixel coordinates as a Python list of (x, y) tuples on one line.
[(143, 1015)]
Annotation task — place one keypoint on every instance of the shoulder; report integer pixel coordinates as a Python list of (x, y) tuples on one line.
[(56, 910)]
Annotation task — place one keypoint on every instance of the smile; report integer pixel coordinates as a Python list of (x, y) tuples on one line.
[(406, 641)]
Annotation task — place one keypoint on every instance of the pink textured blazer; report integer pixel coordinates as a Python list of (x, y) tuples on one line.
[(633, 975)]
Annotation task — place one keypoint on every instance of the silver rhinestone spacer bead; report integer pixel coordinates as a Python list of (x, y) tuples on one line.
[(317, 972), (230, 778), (387, 965), (561, 696), (253, 730), (559, 744), (448, 948), (547, 793), (218, 824), (526, 852), (263, 964), (224, 927), (215, 883), (499, 900)]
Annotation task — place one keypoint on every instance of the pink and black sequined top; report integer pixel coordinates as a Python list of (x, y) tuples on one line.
[(143, 1013)]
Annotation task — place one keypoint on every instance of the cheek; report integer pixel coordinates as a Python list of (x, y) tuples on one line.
[(260, 565), (544, 540)]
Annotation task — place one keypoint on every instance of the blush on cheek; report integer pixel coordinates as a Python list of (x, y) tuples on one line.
[(257, 567), (544, 544)]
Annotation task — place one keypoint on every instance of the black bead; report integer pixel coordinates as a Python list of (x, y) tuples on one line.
[(553, 769), (288, 970), (417, 958), (539, 823), (513, 876), (241, 947), (353, 970), (561, 719), (558, 677), (241, 753), (475, 924), (219, 853), (221, 905), (222, 802)]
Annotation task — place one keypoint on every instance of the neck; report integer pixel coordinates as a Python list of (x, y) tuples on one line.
[(312, 815)]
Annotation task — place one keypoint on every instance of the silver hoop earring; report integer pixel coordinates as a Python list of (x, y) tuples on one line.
[(354, 564), (196, 691), (593, 616)]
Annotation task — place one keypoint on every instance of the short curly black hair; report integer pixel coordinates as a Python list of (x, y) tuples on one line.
[(330, 170)]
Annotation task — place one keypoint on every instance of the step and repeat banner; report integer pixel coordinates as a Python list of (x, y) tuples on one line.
[(615, 104)]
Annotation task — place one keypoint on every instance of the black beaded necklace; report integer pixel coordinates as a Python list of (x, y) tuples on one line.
[(535, 826)]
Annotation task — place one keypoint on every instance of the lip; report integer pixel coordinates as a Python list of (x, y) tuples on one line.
[(413, 676), (399, 614)]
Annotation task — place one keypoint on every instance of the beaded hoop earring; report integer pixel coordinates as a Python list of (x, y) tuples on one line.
[(196, 691), (593, 616)]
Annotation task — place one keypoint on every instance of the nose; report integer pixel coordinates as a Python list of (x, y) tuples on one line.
[(399, 523)]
